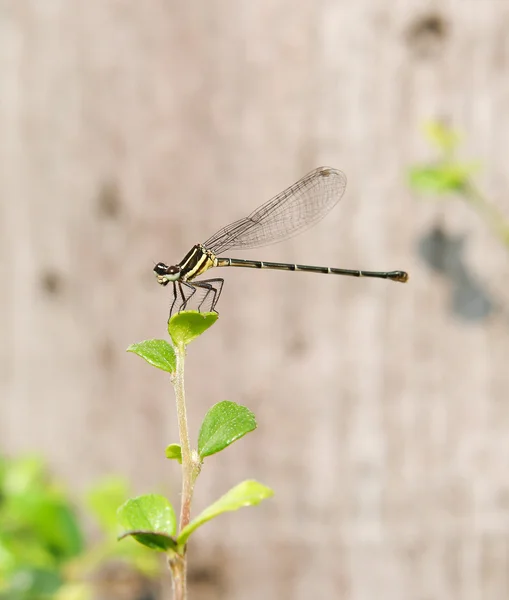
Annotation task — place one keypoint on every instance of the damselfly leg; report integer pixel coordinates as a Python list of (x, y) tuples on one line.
[(182, 293), (185, 291), (214, 288)]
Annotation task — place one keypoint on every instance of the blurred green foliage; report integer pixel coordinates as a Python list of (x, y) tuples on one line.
[(448, 175), (42, 547)]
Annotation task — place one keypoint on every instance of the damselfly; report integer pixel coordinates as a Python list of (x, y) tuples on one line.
[(292, 211)]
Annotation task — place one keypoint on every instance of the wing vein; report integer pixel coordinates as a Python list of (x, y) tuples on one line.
[(289, 213)]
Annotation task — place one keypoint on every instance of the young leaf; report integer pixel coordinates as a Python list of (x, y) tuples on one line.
[(224, 423), (158, 353), (246, 493), (184, 327), (54, 521), (150, 520), (174, 451), (442, 136), (440, 179)]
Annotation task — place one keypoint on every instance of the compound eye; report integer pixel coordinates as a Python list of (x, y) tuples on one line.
[(161, 269)]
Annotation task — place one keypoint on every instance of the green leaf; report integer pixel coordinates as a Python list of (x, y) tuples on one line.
[(427, 179), (442, 136), (441, 179), (224, 423), (158, 353), (38, 526), (152, 540), (185, 326), (56, 522), (246, 493), (151, 520), (174, 451), (49, 519)]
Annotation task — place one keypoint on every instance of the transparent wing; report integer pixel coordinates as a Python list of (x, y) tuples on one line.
[(292, 211)]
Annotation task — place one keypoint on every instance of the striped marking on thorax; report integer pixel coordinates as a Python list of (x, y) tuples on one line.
[(196, 262)]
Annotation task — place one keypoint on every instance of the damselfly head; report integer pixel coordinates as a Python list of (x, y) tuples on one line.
[(165, 274)]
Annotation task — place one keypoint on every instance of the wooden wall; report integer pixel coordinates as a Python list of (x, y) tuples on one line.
[(130, 131)]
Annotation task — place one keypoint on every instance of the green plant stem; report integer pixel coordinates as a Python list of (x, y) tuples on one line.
[(187, 457), (490, 213), (178, 561)]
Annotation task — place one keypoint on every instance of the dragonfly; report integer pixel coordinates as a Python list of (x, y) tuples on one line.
[(291, 212)]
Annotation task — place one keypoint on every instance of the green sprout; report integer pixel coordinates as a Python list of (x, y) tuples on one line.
[(151, 519)]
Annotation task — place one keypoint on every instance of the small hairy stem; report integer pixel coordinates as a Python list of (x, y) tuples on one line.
[(187, 457), (189, 473), (178, 575)]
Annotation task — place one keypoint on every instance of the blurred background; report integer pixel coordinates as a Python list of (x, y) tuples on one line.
[(130, 131)]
